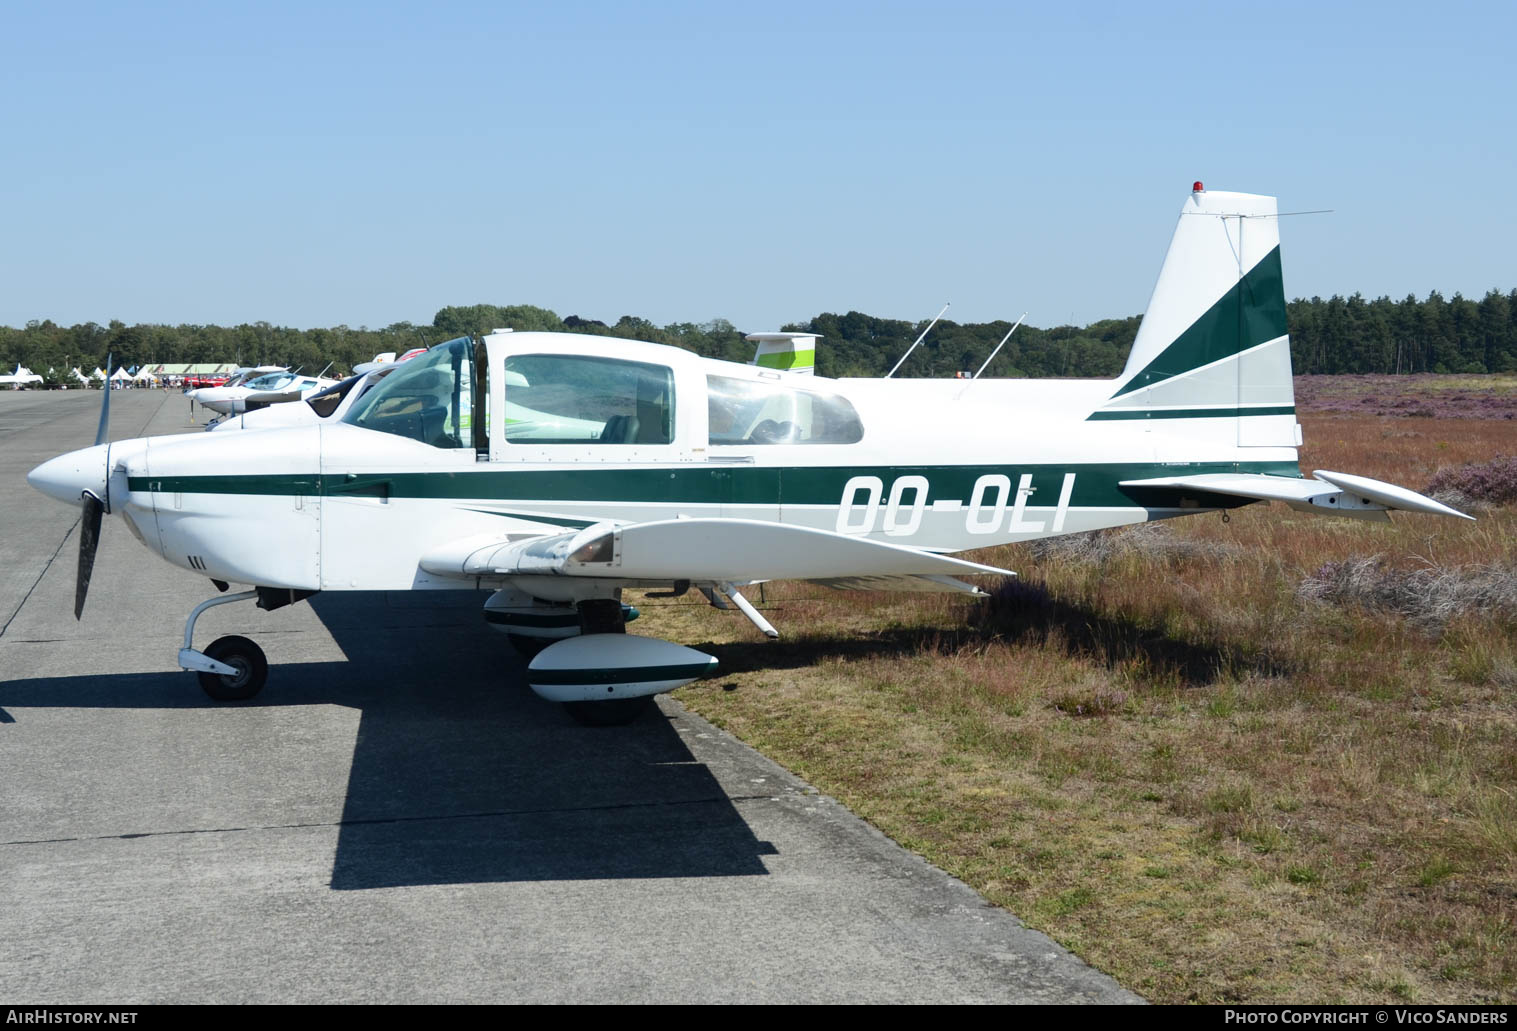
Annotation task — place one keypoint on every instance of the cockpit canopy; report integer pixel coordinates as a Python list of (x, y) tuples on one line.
[(279, 381), (573, 396)]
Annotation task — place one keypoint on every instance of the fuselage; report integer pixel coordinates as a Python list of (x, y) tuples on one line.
[(625, 432)]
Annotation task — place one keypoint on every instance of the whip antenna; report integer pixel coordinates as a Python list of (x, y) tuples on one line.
[(1002, 344), (993, 354), (919, 339)]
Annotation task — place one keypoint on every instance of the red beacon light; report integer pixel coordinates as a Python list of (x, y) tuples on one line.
[(1196, 187)]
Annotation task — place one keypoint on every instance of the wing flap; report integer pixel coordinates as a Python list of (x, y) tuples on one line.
[(700, 550)]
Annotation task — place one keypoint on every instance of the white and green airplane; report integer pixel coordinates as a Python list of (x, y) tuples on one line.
[(616, 464)]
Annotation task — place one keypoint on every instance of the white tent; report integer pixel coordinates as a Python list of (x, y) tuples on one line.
[(81, 377), (120, 374), (143, 376), (97, 374)]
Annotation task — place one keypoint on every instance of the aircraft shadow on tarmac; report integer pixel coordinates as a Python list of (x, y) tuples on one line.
[(460, 774)]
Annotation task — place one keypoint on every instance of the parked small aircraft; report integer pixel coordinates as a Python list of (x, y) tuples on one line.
[(268, 411), (195, 385), (558, 469), (268, 388)]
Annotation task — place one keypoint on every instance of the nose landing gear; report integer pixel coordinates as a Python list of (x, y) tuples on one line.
[(231, 669)]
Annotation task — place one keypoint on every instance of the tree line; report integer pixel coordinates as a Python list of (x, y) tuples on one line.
[(1337, 335)]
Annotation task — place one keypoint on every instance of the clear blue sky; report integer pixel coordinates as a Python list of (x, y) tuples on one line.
[(313, 164)]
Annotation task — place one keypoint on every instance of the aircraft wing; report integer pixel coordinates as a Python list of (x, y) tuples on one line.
[(708, 551), (1330, 493)]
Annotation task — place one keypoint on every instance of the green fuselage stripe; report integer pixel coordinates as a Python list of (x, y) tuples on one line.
[(702, 483), (1188, 413), (567, 523)]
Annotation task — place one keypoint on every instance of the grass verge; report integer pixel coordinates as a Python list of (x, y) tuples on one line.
[(1161, 750)]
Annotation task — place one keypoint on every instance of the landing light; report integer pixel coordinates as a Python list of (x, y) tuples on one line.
[(598, 550)]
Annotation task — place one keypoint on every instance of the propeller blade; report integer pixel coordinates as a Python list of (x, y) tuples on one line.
[(105, 412), (89, 540)]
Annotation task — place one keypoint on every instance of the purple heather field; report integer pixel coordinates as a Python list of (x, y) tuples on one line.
[(1424, 395)]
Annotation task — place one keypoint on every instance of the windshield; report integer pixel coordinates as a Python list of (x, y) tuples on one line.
[(429, 398)]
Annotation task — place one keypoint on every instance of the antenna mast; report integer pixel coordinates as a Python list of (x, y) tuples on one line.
[(919, 339), (1002, 344)]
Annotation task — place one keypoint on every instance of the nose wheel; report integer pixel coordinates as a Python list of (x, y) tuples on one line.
[(232, 669), (250, 667)]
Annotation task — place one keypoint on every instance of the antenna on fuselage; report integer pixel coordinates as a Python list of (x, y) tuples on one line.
[(919, 339), (993, 354), (1002, 344)]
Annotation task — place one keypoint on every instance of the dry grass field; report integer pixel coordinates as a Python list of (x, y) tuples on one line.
[(1271, 759)]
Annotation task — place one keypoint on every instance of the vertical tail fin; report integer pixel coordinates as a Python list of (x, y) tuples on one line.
[(1213, 337), (788, 352)]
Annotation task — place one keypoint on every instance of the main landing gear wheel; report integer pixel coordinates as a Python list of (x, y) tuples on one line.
[(244, 656), (614, 712)]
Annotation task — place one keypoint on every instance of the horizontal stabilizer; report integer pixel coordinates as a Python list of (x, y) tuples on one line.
[(700, 550), (1334, 493)]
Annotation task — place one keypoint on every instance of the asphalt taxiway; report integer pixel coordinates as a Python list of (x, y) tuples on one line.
[(397, 818)]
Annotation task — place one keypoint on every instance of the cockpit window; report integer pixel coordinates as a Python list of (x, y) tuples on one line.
[(744, 411), (581, 399), (428, 399)]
